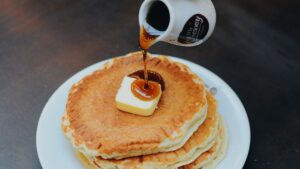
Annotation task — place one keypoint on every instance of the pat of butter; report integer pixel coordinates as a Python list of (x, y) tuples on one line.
[(128, 102)]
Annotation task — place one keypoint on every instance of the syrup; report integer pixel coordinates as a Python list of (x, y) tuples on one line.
[(152, 76), (158, 18), (142, 92)]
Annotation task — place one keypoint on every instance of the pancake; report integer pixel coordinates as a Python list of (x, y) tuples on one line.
[(201, 141), (96, 127), (210, 158)]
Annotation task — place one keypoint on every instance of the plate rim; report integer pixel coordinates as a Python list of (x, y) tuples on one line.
[(211, 74)]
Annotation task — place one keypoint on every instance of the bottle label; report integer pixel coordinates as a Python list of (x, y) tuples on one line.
[(194, 29)]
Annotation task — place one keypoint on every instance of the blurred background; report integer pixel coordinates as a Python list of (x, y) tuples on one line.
[(255, 48)]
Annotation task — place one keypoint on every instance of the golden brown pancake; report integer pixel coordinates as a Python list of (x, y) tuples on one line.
[(97, 128), (201, 141)]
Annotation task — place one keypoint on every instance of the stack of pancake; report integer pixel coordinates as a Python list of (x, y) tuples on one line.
[(185, 131)]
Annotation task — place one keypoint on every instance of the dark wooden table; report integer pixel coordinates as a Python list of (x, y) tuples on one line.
[(255, 48)]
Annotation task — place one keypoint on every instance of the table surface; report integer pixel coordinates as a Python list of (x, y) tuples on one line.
[(254, 48)]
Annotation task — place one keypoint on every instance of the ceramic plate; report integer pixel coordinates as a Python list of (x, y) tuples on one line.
[(55, 151)]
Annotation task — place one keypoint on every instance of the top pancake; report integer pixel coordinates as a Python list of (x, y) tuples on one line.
[(97, 128)]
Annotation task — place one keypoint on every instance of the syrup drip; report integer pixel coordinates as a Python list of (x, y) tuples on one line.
[(147, 87)]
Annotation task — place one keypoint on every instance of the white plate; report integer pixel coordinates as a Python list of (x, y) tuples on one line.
[(55, 152)]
